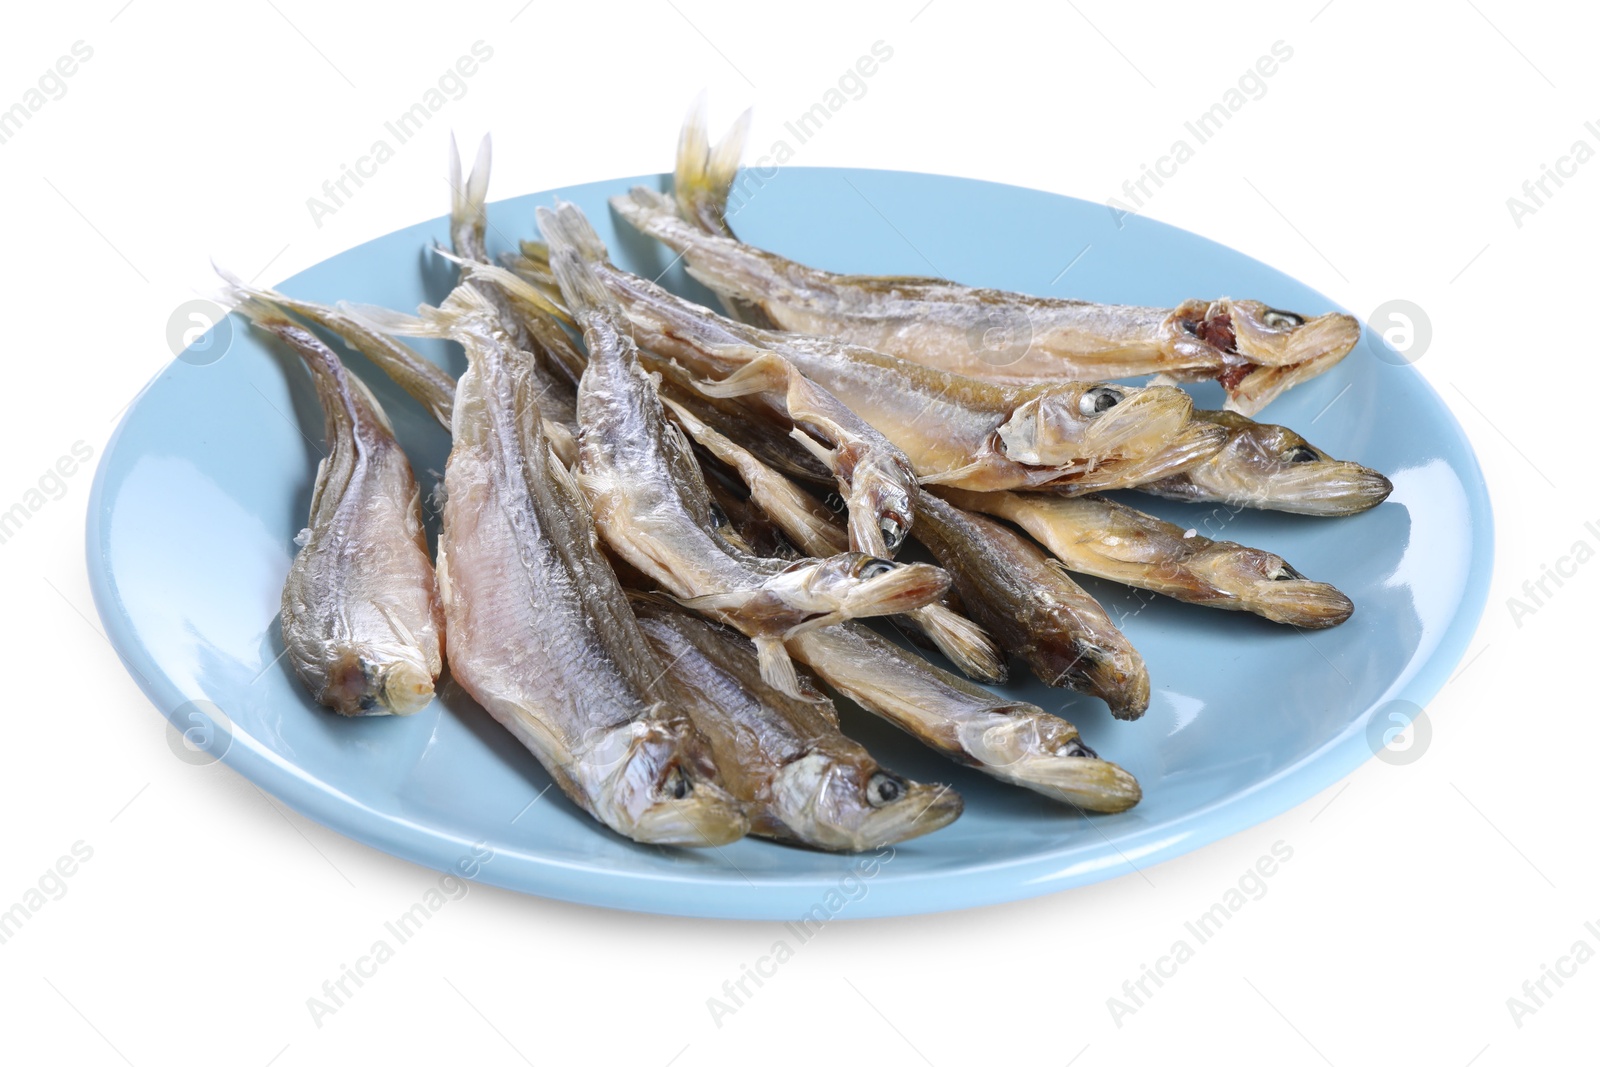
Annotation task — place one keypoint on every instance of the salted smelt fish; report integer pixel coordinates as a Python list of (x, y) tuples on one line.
[(1092, 535), (1018, 593), (539, 631), (1254, 351), (1011, 740), (800, 778), (1274, 468), (362, 622), (813, 528), (1071, 437), (652, 507)]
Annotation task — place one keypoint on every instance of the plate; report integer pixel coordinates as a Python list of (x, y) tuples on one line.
[(202, 489)]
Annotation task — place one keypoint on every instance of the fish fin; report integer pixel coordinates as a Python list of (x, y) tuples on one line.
[(395, 323), (519, 289), (963, 642), (731, 600), (827, 455), (765, 373), (777, 669), (704, 175), (954, 476)]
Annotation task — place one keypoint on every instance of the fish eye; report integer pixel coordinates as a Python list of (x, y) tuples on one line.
[(1301, 454), (1281, 320), (1287, 573), (872, 567), (1076, 747), (884, 788), (893, 532), (1100, 398)]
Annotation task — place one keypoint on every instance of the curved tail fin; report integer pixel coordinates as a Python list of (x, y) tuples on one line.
[(703, 177)]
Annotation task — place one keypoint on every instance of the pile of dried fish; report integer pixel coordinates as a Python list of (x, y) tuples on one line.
[(636, 573)]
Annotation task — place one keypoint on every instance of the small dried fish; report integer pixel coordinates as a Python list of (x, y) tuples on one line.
[(798, 776), (1274, 468), (361, 618), (1011, 740), (1092, 535), (1065, 436), (652, 507), (1256, 352), (1023, 597)]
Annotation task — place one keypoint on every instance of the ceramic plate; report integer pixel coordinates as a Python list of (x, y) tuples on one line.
[(207, 480)]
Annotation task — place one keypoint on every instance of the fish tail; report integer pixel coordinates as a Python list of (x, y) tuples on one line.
[(704, 175), (574, 249), (260, 306), (468, 199)]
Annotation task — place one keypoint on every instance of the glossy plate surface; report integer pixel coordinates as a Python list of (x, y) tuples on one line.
[(208, 479)]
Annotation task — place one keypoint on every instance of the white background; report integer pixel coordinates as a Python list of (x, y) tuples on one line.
[(1376, 167)]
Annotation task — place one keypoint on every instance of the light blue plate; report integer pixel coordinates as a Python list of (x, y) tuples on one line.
[(207, 480)]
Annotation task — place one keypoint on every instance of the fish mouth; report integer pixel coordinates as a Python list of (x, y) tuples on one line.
[(407, 689), (1045, 754), (1306, 604), (1261, 335), (358, 685), (1267, 585), (825, 803), (1330, 487), (1278, 360), (1116, 675), (707, 818)]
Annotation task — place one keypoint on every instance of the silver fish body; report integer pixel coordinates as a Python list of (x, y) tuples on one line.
[(539, 631), (1093, 535), (361, 619)]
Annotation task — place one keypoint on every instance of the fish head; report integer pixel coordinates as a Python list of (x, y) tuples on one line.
[(658, 785), (1266, 584), (854, 585), (1044, 753), (1273, 465), (880, 502), (1060, 423), (854, 805), (368, 684), (1269, 337), (1117, 675), (1264, 350)]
